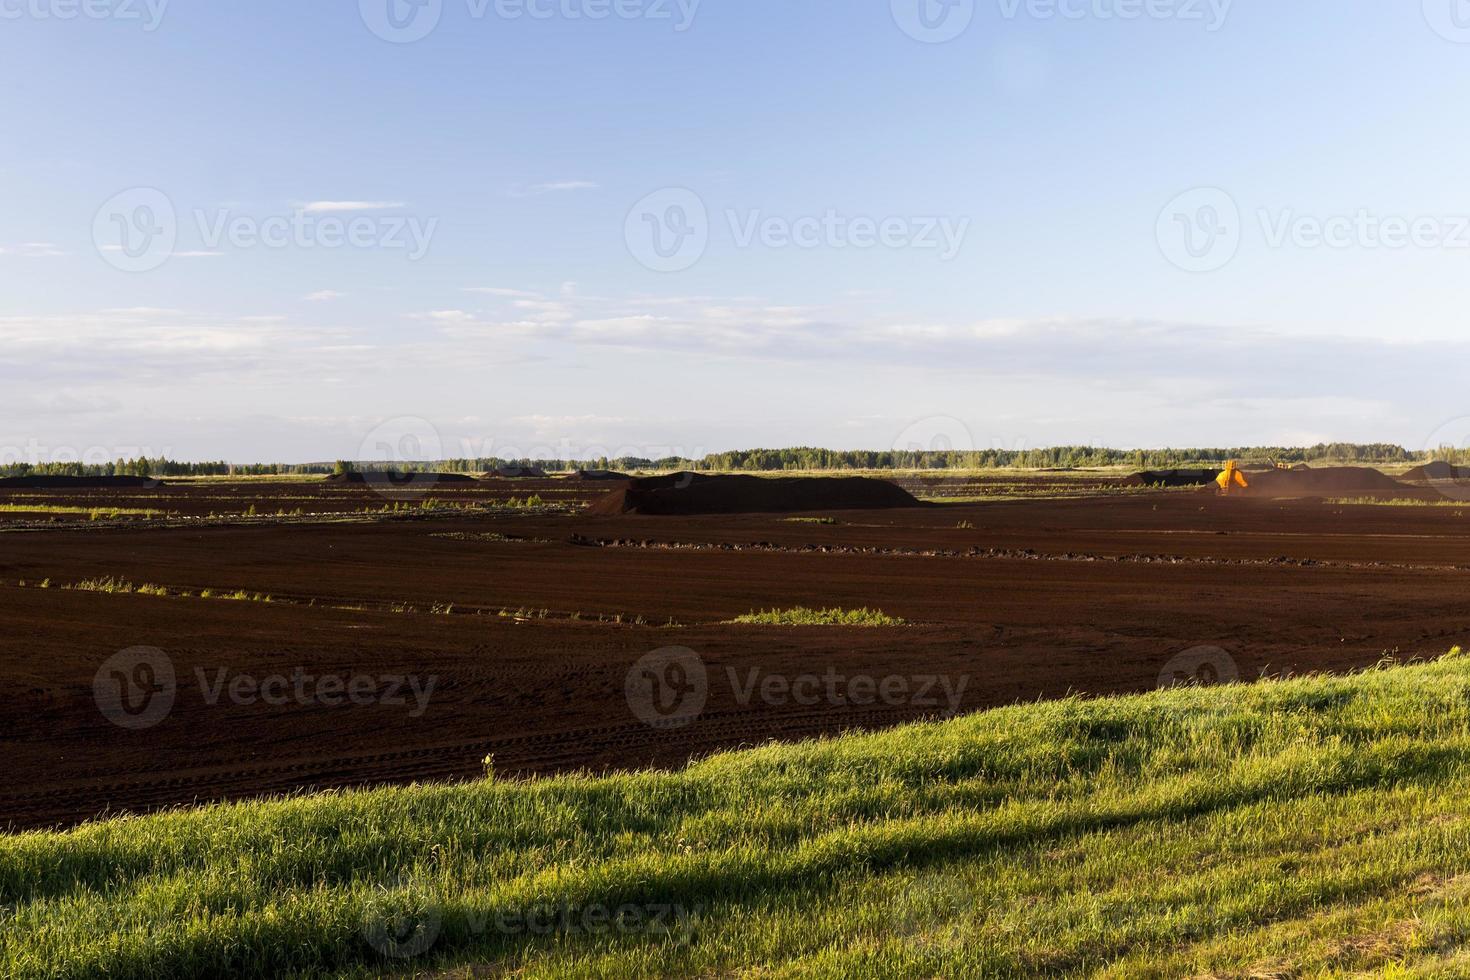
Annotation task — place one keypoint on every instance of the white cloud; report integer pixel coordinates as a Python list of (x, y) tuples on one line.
[(174, 255), (566, 421), (1118, 381), (505, 293), (145, 345), (624, 328), (545, 311), (325, 207), (445, 316), (67, 402), (1174, 361), (322, 295), (555, 187), (33, 250), (471, 329)]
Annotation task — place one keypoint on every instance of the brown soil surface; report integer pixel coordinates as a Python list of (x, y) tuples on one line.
[(1172, 478), (77, 482), (1010, 601), (313, 497), (1438, 471), (697, 493)]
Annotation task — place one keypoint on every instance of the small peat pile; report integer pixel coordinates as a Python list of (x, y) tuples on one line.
[(394, 478), (1172, 478), (1438, 472), (517, 473), (78, 482), (694, 493), (599, 476), (1328, 480)]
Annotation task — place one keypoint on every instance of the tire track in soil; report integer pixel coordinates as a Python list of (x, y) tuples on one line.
[(1000, 554)]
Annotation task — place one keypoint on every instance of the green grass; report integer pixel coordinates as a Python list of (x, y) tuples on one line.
[(94, 513), (119, 586), (113, 586), (1308, 828), (1005, 494), (1395, 502), (802, 616)]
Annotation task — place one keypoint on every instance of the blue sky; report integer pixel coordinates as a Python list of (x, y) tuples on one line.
[(886, 240)]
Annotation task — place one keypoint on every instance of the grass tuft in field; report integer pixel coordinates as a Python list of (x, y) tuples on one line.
[(111, 585), (801, 616), (119, 586), (1394, 502), (93, 513)]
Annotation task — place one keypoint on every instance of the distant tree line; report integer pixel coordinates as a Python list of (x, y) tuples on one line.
[(142, 466), (776, 460), (1055, 457)]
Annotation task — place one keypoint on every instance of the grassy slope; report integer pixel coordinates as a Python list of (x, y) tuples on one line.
[(1316, 826)]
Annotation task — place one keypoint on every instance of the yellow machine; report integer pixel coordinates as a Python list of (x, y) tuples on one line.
[(1233, 476)]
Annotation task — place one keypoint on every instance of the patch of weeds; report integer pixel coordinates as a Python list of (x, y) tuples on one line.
[(802, 616)]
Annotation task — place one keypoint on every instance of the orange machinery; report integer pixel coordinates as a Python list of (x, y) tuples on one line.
[(1233, 476)]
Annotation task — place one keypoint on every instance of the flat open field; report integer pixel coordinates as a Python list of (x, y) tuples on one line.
[(491, 629)]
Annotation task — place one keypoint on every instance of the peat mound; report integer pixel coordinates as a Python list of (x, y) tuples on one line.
[(398, 479), (1437, 471), (694, 493), (517, 473), (78, 482), (1172, 478), (599, 476), (1328, 479)]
